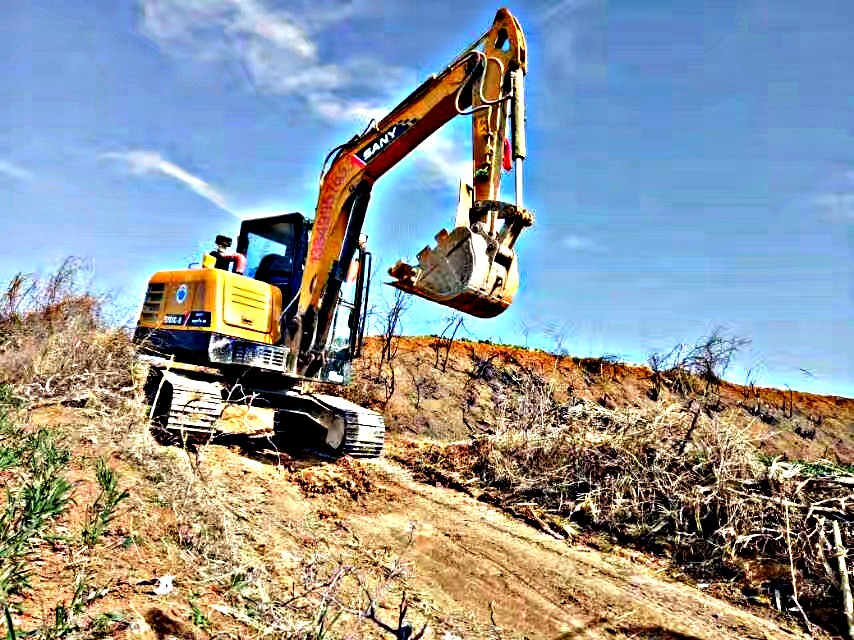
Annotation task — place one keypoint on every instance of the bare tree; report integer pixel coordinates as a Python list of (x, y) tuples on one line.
[(391, 326), (609, 360), (557, 332), (526, 328), (749, 389), (790, 409), (711, 358), (445, 342), (391, 329), (422, 383), (657, 363), (708, 359), (389, 382)]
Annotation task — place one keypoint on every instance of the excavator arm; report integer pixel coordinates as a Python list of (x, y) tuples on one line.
[(473, 268)]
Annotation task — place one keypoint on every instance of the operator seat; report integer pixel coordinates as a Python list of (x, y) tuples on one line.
[(277, 270)]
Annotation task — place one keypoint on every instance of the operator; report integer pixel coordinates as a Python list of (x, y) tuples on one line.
[(221, 257)]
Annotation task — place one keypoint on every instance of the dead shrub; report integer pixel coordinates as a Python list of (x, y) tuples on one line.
[(695, 370), (54, 342)]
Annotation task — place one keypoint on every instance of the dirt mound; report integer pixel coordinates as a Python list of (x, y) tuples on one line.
[(345, 475)]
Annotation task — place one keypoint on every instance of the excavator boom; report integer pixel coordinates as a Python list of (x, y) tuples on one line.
[(473, 267)]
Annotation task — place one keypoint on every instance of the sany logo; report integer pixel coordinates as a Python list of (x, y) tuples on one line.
[(335, 180), (364, 155)]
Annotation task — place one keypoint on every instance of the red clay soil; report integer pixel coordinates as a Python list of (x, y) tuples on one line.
[(472, 571), (428, 401)]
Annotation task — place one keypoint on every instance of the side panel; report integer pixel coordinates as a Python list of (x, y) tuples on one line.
[(212, 300), (248, 305)]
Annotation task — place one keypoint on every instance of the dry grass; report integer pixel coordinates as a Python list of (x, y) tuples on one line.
[(444, 402), (55, 343), (678, 480)]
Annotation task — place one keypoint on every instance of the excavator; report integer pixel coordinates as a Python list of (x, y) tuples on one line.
[(287, 308)]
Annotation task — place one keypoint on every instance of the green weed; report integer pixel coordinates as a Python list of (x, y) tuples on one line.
[(102, 626), (44, 494), (821, 469), (9, 457), (102, 511), (197, 616)]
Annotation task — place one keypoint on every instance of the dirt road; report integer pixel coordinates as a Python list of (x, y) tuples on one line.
[(469, 554), (465, 554)]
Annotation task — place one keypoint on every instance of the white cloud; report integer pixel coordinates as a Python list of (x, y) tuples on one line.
[(837, 201), (141, 162), (192, 25), (279, 52), (338, 109), (580, 243), (563, 7), (276, 48), (11, 170), (573, 46), (837, 206), (443, 162)]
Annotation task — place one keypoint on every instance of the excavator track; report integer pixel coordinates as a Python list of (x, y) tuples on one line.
[(354, 431), (364, 435), (190, 408), (186, 407)]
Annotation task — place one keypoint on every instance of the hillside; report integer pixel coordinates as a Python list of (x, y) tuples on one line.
[(259, 543), (522, 495), (445, 402)]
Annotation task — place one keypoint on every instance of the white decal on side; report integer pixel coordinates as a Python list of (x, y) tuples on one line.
[(381, 143)]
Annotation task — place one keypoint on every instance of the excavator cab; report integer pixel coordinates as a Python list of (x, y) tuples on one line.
[(275, 249)]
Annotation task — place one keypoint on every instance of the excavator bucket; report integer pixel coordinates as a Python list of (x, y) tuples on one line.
[(469, 269), (458, 273)]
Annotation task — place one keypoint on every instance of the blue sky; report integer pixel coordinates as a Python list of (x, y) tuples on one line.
[(691, 163)]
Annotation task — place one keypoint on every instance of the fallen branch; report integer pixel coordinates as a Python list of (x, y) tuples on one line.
[(792, 569), (847, 603), (527, 512), (786, 503)]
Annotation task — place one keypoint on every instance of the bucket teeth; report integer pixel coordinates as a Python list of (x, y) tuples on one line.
[(473, 267)]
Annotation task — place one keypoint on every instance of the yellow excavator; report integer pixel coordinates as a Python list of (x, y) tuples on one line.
[(257, 324)]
